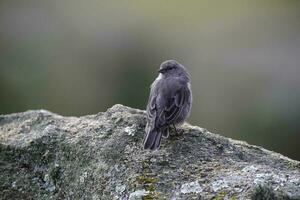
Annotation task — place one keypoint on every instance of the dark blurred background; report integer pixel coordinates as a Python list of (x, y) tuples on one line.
[(81, 57)]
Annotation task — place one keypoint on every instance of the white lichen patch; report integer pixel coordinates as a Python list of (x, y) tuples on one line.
[(219, 184), (130, 130), (120, 188), (49, 185), (138, 194), (83, 177), (14, 184), (192, 187), (255, 174), (250, 168), (50, 129)]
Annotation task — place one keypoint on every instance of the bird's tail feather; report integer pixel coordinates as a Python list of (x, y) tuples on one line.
[(152, 139)]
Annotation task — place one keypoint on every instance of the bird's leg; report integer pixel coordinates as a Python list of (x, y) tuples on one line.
[(175, 129), (176, 132)]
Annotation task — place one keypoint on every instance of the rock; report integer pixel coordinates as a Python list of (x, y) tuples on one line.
[(47, 156)]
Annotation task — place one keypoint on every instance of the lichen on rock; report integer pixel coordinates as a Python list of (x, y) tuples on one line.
[(47, 156)]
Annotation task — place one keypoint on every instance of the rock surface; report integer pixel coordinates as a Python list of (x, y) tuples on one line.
[(47, 156)]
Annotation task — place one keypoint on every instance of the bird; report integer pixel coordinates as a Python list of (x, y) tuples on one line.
[(169, 103)]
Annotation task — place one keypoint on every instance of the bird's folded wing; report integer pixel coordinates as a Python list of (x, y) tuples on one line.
[(173, 108), (151, 109)]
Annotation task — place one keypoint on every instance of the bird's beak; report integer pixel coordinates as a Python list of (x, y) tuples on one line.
[(160, 70)]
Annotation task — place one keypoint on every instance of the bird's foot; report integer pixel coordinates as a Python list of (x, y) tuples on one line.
[(175, 132)]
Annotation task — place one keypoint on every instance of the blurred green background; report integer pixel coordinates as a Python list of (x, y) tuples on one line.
[(81, 57)]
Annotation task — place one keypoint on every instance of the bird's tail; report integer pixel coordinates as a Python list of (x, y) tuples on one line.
[(152, 138)]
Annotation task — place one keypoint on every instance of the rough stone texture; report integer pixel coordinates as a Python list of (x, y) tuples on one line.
[(47, 156)]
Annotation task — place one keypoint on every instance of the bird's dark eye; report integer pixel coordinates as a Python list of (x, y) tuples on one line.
[(170, 68), (165, 69)]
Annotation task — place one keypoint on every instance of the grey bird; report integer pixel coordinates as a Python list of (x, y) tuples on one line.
[(169, 102)]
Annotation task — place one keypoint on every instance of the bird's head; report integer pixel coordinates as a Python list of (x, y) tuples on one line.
[(173, 68)]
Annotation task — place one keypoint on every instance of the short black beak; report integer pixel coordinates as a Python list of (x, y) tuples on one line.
[(160, 70)]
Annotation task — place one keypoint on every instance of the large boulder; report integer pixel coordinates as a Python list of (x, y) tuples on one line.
[(47, 156)]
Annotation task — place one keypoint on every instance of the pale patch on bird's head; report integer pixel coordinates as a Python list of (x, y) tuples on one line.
[(160, 76)]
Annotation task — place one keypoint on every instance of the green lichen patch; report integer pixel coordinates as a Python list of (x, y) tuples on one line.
[(220, 195)]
